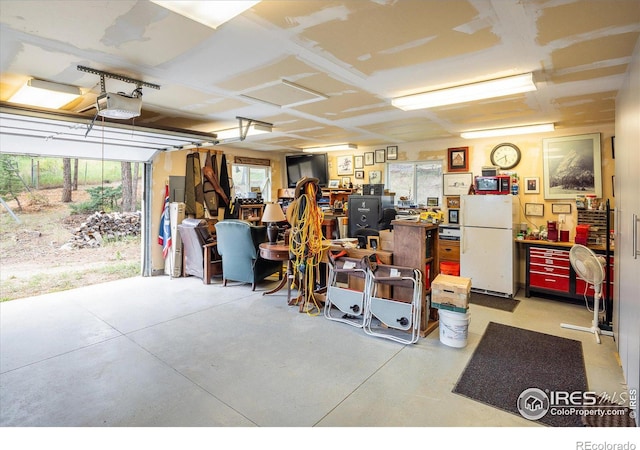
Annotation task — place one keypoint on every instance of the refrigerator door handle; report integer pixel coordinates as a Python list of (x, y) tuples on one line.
[(464, 241), (634, 237)]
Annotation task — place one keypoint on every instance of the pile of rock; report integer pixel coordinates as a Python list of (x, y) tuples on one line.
[(101, 226)]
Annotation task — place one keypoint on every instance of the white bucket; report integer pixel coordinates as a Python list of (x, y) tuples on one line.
[(454, 328)]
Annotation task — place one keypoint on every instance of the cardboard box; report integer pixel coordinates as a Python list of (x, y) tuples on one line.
[(386, 240), (450, 292)]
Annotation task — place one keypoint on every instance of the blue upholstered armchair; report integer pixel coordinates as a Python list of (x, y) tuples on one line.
[(238, 243)]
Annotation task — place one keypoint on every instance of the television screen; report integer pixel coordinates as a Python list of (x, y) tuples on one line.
[(313, 165)]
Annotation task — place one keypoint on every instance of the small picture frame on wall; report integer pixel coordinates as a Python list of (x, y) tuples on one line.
[(458, 159), (358, 162), (392, 152), (534, 209), (453, 202), (369, 159), (359, 174), (345, 165), (380, 159), (454, 216), (375, 177), (561, 208), (532, 185), (346, 181)]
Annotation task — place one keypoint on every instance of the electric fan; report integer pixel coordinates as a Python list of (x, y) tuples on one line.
[(589, 268)]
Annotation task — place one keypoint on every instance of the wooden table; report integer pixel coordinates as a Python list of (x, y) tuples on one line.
[(278, 252)]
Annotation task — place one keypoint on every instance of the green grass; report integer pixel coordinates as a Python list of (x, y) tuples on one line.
[(14, 288)]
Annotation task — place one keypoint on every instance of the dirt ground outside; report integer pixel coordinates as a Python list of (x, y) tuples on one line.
[(33, 260)]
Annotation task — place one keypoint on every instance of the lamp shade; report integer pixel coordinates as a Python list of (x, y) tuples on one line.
[(273, 213)]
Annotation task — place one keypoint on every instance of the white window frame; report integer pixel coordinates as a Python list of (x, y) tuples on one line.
[(415, 188), (265, 187)]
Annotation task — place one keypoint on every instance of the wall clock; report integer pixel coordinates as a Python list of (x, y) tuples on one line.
[(505, 156)]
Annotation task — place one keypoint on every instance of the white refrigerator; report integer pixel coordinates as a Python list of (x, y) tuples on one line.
[(487, 243)]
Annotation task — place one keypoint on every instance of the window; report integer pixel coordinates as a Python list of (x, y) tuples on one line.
[(417, 181), (248, 178)]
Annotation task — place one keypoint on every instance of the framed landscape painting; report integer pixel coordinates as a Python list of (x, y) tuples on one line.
[(572, 166)]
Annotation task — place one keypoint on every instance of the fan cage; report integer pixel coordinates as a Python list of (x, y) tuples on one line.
[(586, 264)]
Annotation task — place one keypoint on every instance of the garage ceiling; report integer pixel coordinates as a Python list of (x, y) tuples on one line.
[(324, 72)]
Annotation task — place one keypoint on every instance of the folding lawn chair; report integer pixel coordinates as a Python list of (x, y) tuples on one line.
[(393, 318)]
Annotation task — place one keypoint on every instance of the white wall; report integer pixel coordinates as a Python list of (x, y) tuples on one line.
[(627, 263)]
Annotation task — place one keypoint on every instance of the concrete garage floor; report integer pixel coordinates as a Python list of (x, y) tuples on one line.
[(162, 352)]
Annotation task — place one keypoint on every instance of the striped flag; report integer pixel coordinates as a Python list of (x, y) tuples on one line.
[(164, 235)]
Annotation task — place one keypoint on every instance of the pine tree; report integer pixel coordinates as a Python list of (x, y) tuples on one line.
[(11, 183)]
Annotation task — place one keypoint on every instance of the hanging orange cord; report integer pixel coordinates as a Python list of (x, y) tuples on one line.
[(307, 243)]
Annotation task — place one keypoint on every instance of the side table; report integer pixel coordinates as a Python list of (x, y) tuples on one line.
[(278, 252)]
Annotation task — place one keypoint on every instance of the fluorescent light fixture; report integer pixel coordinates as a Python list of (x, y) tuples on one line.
[(45, 94), (466, 93), (526, 129), (330, 148), (209, 13), (254, 129)]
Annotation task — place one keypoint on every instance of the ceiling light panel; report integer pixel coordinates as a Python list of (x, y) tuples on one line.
[(330, 148), (209, 13), (510, 131), (45, 94), (467, 93)]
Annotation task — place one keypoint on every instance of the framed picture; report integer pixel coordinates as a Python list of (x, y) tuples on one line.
[(572, 165), (456, 183), (532, 185), (368, 159), (561, 208), (345, 165), (372, 242), (380, 156), (333, 184), (346, 181), (534, 209), (453, 202), (432, 201), (392, 152), (458, 159), (358, 162), (359, 174), (375, 177), (454, 216)]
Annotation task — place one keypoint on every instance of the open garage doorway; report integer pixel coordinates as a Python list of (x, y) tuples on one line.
[(67, 223), (38, 230)]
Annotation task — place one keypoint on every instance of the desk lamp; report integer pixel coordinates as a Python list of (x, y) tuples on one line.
[(272, 215)]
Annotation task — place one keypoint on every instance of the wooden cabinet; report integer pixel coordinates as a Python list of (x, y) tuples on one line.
[(251, 213), (548, 271), (448, 250), (415, 245), (334, 195)]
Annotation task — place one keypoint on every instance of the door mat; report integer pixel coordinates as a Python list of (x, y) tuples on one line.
[(615, 415), (510, 360), (491, 301)]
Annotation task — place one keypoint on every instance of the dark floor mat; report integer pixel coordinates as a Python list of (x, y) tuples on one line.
[(492, 301), (510, 360)]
